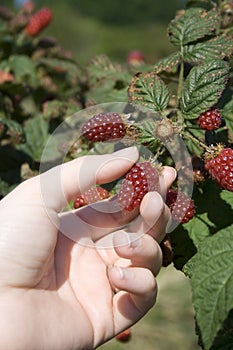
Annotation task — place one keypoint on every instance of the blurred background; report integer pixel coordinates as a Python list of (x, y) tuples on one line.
[(117, 27)]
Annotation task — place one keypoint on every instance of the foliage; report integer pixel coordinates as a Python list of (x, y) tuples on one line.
[(118, 12), (41, 85)]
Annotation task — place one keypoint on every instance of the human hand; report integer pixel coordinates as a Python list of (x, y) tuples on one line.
[(74, 280)]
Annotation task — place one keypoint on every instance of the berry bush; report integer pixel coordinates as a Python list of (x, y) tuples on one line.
[(188, 98)]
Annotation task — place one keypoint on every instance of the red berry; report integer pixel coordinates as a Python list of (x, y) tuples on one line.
[(92, 195), (219, 163), (210, 120), (181, 206), (135, 58), (124, 336), (104, 127), (141, 178), (39, 21)]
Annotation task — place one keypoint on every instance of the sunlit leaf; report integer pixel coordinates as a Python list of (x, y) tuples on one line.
[(193, 24), (148, 91), (203, 87)]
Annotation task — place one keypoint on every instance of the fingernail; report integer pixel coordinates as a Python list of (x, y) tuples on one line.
[(170, 173), (152, 207), (126, 152)]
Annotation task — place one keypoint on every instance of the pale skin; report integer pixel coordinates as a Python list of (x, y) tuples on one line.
[(69, 294)]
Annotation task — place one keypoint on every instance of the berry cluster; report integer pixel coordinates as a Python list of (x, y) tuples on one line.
[(92, 195), (142, 178), (39, 21), (104, 127)]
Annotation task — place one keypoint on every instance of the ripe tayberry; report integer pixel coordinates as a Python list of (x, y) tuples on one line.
[(142, 178), (219, 163), (210, 120), (39, 21), (181, 206), (92, 195), (104, 127)]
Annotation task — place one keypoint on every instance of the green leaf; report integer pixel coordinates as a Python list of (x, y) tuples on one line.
[(13, 129), (227, 196), (194, 24), (224, 338), (209, 219), (218, 47), (212, 284), (199, 134), (212, 216), (23, 68), (168, 64), (36, 130), (107, 92), (182, 246), (60, 66), (108, 81), (54, 109), (203, 87), (149, 91), (146, 135), (227, 113), (102, 68)]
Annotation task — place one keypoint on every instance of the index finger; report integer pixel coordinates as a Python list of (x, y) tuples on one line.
[(64, 182)]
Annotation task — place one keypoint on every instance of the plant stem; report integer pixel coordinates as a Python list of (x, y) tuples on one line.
[(181, 75), (180, 86), (190, 136)]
